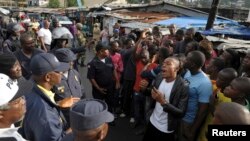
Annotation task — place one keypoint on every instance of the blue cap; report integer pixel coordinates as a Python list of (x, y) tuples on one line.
[(43, 63), (65, 55), (89, 114), (116, 31)]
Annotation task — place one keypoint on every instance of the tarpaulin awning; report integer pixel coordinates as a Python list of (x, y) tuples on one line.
[(4, 11), (184, 22)]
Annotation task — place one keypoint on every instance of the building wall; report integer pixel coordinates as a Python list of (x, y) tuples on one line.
[(91, 3), (12, 3)]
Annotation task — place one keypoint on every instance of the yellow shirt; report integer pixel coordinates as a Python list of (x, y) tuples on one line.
[(48, 93), (220, 99)]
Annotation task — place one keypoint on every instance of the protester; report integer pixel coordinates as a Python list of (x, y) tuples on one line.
[(238, 90), (200, 90), (171, 94)]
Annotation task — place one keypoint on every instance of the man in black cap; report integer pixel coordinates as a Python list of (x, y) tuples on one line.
[(88, 120), (70, 85), (43, 120), (102, 76), (12, 109)]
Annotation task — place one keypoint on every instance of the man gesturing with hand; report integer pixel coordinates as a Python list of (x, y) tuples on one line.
[(170, 92)]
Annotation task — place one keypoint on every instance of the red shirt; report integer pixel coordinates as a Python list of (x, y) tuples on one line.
[(118, 64), (139, 68)]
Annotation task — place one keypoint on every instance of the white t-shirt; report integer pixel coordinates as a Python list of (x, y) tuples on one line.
[(46, 34), (11, 132), (159, 118)]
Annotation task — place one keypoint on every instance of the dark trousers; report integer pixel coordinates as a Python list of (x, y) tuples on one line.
[(127, 92), (153, 133), (139, 106), (108, 98), (47, 47)]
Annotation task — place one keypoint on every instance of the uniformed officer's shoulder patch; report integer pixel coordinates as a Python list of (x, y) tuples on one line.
[(88, 66), (61, 89)]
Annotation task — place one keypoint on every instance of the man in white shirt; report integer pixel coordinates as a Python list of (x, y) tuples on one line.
[(12, 109), (45, 36), (171, 95)]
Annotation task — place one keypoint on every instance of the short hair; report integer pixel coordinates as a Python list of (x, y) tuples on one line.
[(163, 53), (219, 63), (176, 61), (24, 36), (230, 72), (132, 36), (152, 50), (194, 45), (206, 47), (235, 61), (243, 85), (128, 40), (156, 28), (113, 42), (180, 32), (197, 57), (191, 30)]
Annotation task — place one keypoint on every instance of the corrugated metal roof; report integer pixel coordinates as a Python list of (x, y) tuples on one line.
[(137, 25), (145, 17)]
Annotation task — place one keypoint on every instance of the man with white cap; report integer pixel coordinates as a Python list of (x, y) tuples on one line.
[(12, 109), (88, 120)]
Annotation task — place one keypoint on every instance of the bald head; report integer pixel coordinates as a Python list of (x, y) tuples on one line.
[(46, 24), (223, 114)]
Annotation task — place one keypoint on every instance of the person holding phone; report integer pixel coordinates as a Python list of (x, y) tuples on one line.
[(170, 92)]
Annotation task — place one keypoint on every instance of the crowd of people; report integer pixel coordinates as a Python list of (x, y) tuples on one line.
[(170, 86)]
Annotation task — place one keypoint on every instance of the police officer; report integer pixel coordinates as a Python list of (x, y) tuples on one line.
[(70, 85), (101, 74), (89, 118), (43, 120), (12, 109), (59, 42), (13, 42)]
